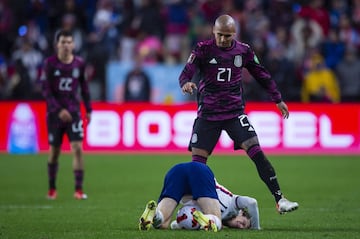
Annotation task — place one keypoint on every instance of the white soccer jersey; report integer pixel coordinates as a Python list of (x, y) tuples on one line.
[(227, 204), (231, 204)]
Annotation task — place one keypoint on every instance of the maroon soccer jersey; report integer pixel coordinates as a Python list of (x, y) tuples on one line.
[(61, 83), (220, 91)]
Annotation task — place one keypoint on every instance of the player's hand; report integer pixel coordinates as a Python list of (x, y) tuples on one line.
[(189, 88), (283, 109), (65, 115)]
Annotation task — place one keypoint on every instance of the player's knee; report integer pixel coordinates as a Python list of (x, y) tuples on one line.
[(54, 154), (76, 148), (249, 143)]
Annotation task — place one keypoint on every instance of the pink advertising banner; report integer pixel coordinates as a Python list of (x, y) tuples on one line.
[(148, 128)]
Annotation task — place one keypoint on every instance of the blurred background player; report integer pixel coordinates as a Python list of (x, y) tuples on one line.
[(62, 78), (237, 211), (190, 178), (221, 102)]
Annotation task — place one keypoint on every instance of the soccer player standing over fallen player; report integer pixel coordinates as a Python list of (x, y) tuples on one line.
[(62, 77), (219, 63)]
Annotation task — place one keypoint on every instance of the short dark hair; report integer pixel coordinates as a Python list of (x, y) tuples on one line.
[(62, 32), (244, 212)]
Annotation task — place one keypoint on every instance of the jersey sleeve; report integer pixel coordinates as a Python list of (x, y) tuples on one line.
[(191, 65), (85, 94), (250, 205), (262, 76), (227, 206), (231, 205), (53, 104)]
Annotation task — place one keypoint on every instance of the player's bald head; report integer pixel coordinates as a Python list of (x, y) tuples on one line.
[(225, 23), (224, 31)]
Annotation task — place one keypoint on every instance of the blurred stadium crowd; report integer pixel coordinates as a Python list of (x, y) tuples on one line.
[(311, 48)]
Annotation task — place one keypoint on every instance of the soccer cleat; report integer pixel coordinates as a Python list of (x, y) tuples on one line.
[(204, 221), (51, 195), (283, 206), (146, 219), (79, 195)]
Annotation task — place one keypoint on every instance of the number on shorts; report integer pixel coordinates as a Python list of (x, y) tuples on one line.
[(244, 121), (77, 127)]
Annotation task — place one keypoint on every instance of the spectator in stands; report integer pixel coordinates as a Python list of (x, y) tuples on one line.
[(355, 13), (337, 8), (106, 32), (151, 19), (32, 61), (129, 29), (348, 73), (210, 9), (6, 20), (177, 27), (333, 48), (75, 8), (305, 34), (315, 10), (282, 71), (320, 83), (3, 77), (282, 41), (33, 34), (347, 32), (281, 13), (102, 43), (37, 10), (20, 86), (149, 48), (137, 86), (199, 28)]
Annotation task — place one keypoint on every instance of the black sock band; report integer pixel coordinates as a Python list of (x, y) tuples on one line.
[(200, 159), (52, 172), (79, 176)]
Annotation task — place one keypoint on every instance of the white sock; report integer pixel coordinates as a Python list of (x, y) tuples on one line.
[(158, 219)]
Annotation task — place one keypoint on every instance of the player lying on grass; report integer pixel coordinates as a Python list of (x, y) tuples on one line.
[(190, 178), (236, 211)]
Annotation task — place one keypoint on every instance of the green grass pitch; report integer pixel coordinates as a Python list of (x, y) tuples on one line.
[(326, 187)]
